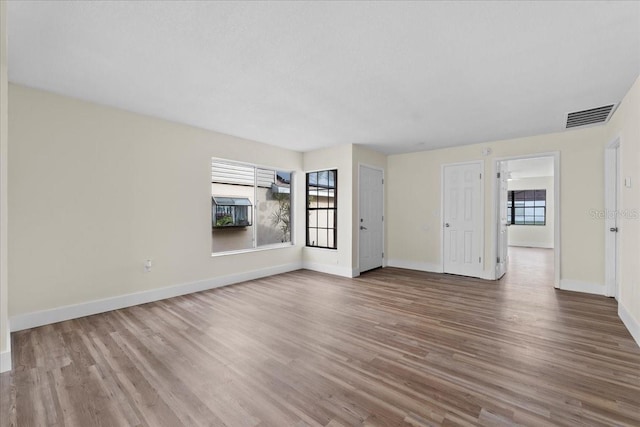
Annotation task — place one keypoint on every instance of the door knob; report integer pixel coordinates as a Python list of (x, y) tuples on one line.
[(363, 228), (614, 229), (446, 224)]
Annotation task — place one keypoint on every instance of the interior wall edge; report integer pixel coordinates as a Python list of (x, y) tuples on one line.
[(632, 324), (581, 286)]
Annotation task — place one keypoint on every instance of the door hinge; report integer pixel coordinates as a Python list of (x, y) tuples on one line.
[(498, 174), (479, 259), (382, 254), (383, 180), (383, 217), (498, 260), (480, 176)]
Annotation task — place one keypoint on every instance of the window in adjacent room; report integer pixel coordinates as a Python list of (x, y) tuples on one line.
[(527, 207), (322, 209), (250, 206)]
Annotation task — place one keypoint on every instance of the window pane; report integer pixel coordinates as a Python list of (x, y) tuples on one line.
[(322, 237), (312, 237), (519, 219), (273, 211), (232, 184), (313, 218), (330, 239), (519, 211), (539, 220), (322, 198), (323, 179), (539, 212), (322, 217), (332, 179)]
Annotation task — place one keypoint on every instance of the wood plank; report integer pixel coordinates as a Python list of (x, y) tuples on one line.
[(391, 348)]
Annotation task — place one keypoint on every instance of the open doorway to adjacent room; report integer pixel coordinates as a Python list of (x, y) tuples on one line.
[(527, 218)]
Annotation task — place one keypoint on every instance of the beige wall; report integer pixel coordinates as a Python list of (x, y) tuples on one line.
[(94, 191), (414, 194), (335, 261), (625, 124), (536, 236), (4, 312)]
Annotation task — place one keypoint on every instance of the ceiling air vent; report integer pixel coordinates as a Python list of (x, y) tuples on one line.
[(589, 117)]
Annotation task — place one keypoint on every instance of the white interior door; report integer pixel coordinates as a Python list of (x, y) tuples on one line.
[(503, 220), (371, 234), (462, 219), (612, 184)]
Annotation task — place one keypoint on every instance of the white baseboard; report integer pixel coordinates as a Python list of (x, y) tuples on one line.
[(331, 269), (5, 361), (59, 314), (578, 286), (632, 324), (412, 265)]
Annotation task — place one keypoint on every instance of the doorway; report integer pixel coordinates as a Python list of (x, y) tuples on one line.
[(527, 206), (371, 218)]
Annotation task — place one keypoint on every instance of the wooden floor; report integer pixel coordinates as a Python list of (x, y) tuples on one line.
[(391, 348)]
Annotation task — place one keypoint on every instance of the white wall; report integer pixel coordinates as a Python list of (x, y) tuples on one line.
[(5, 344), (626, 124), (535, 236), (414, 194), (94, 191)]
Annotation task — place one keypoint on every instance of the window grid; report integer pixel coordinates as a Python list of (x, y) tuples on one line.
[(527, 207), (322, 209)]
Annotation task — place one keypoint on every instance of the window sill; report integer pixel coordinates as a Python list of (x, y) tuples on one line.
[(259, 249), (320, 248)]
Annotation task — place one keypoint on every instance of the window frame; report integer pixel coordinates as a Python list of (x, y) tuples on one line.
[(309, 209), (511, 206), (254, 207)]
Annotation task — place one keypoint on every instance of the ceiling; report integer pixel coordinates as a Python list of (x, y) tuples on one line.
[(530, 168), (393, 76)]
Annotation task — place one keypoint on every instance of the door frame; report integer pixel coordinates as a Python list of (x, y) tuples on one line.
[(556, 210), (611, 205), (384, 217), (483, 273), (497, 185)]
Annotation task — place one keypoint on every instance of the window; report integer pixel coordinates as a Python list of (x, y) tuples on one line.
[(322, 209), (250, 206), (527, 207)]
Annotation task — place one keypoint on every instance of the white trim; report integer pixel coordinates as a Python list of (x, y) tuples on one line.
[(360, 166), (483, 257), (413, 265), (556, 202), (611, 205), (331, 269), (5, 361), (579, 286), (256, 249), (632, 324), (59, 314)]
